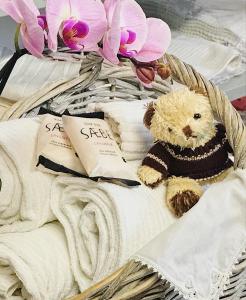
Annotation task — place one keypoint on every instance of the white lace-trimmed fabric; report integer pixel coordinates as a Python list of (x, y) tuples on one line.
[(198, 253), (236, 289)]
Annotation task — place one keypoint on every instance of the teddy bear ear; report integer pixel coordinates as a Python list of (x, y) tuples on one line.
[(149, 114)]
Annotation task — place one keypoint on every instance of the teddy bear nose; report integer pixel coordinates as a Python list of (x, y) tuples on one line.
[(187, 131)]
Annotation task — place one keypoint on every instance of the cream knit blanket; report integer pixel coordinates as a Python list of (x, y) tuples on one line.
[(106, 223), (25, 191), (36, 265)]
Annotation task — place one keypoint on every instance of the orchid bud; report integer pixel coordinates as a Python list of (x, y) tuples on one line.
[(163, 71), (145, 74)]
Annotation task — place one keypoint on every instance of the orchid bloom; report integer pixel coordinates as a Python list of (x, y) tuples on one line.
[(32, 25), (80, 23), (131, 35)]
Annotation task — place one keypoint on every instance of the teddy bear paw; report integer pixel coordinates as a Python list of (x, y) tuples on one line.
[(182, 194), (182, 202), (149, 176)]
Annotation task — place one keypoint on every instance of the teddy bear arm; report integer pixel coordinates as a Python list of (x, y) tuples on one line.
[(154, 167), (149, 176)]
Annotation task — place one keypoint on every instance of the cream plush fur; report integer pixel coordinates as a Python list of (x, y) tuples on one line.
[(176, 110), (166, 120)]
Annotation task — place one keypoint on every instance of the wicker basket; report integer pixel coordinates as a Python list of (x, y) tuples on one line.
[(99, 81)]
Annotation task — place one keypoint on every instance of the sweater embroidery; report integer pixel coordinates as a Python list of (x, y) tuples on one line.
[(157, 159), (198, 157), (211, 177)]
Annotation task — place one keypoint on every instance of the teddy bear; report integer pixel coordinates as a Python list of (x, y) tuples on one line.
[(190, 148)]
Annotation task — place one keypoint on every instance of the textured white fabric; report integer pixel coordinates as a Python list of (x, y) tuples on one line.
[(106, 223), (222, 27), (222, 5), (213, 60), (5, 55), (32, 74), (211, 20), (36, 265), (135, 147), (134, 133), (25, 191), (126, 121), (228, 14), (197, 253)]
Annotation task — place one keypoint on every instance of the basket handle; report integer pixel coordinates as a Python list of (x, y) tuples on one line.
[(221, 106)]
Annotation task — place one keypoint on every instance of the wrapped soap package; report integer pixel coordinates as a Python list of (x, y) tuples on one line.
[(55, 153), (97, 149)]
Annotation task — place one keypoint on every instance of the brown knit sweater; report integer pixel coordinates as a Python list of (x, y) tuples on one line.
[(200, 163)]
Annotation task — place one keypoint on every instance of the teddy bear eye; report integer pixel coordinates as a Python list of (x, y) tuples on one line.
[(169, 129), (197, 116)]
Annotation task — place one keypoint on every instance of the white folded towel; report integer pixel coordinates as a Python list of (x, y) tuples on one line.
[(106, 223), (135, 133), (130, 112), (213, 60), (135, 147), (25, 191), (36, 265), (31, 75), (126, 121), (197, 254)]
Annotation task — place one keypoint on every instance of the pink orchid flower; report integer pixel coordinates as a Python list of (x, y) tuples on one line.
[(132, 35), (32, 25), (80, 23)]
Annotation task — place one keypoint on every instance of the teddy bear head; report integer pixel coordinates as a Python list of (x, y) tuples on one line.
[(183, 118)]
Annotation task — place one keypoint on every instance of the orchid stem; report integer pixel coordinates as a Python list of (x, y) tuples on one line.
[(17, 32)]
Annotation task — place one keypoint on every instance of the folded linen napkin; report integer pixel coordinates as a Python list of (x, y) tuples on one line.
[(106, 223), (25, 191), (31, 75), (213, 60), (126, 121), (197, 253), (36, 265)]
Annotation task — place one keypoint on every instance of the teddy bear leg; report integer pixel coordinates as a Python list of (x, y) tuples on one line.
[(149, 176), (181, 194)]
